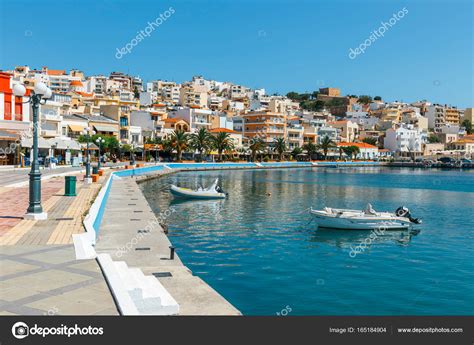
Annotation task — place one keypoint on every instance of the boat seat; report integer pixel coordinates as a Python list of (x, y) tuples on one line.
[(328, 210)]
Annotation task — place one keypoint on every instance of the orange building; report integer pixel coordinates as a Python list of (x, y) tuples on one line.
[(264, 124)]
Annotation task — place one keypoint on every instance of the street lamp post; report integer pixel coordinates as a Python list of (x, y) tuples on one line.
[(40, 93), (87, 134), (132, 159), (99, 141)]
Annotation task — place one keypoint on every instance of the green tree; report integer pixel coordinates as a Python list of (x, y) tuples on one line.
[(370, 141), (311, 149), (200, 141), (433, 138), (293, 95), (257, 145), (222, 142), (325, 145), (351, 151), (296, 151), (467, 125), (280, 147), (377, 98), (179, 142), (136, 93), (364, 99)]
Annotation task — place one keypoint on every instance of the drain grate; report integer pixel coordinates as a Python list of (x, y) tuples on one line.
[(162, 274), (65, 218), (135, 220), (132, 204), (137, 211), (143, 231), (143, 248)]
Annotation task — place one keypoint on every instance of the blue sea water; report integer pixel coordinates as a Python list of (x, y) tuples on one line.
[(263, 252)]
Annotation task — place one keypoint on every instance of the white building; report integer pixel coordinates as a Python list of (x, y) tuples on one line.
[(405, 141)]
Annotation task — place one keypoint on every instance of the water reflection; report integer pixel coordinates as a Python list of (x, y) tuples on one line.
[(344, 239)]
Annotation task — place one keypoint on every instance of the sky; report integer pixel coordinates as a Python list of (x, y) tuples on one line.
[(279, 45)]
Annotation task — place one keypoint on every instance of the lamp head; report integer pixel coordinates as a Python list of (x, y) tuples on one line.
[(48, 94), (40, 88), (19, 90)]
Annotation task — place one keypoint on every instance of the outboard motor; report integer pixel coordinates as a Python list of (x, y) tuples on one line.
[(403, 211)]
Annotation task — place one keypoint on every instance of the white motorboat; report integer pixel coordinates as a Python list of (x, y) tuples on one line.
[(213, 192), (367, 219)]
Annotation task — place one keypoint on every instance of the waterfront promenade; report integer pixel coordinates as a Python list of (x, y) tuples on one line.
[(40, 274), (129, 233)]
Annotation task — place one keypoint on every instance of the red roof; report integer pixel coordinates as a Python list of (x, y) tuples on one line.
[(76, 83), (359, 145), (222, 130), (173, 120), (56, 72)]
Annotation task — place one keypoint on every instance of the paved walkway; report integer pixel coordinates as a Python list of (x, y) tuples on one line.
[(129, 233), (64, 214), (48, 280), (39, 273)]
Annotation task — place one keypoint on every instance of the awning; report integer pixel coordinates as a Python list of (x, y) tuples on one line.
[(42, 143), (48, 126), (105, 128), (9, 136), (92, 146), (64, 144), (76, 128)]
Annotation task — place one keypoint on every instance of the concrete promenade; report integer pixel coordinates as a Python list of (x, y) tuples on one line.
[(129, 232), (39, 274)]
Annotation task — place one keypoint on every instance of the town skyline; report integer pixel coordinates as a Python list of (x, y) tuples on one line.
[(303, 52), (284, 94)]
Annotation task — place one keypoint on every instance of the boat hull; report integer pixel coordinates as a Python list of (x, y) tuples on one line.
[(376, 223), (191, 194)]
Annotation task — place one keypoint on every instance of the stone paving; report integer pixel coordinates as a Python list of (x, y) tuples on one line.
[(127, 215), (39, 274), (48, 280)]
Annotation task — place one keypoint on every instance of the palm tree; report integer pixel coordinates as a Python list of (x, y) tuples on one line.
[(370, 141), (351, 151), (311, 149), (296, 151), (325, 144), (200, 141), (222, 142), (280, 147), (257, 145), (179, 141)]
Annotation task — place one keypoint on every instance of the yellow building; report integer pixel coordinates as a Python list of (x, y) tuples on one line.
[(469, 114), (451, 116)]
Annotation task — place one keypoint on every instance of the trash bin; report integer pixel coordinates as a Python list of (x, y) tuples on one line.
[(70, 187), (95, 170)]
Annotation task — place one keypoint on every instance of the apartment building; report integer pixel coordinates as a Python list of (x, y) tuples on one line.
[(469, 115), (120, 114), (50, 124), (264, 124), (191, 96), (329, 132), (348, 130), (196, 118), (14, 120), (295, 136), (439, 115), (283, 105), (405, 141)]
